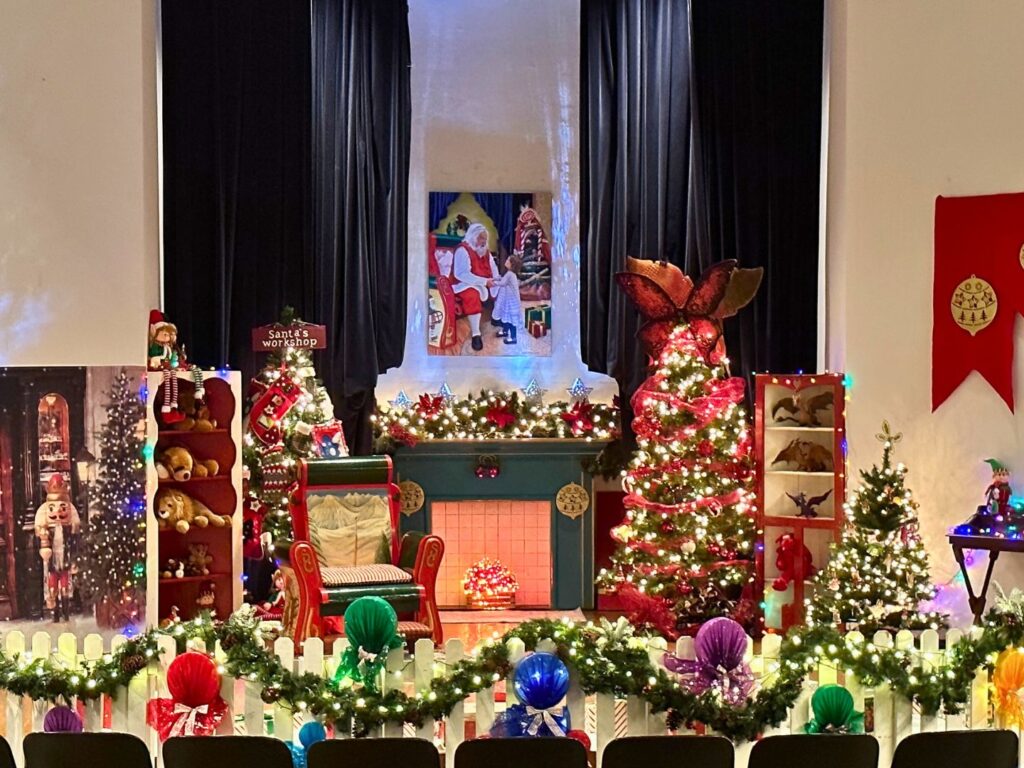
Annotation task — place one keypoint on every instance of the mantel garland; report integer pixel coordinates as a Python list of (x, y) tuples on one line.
[(490, 416), (608, 658)]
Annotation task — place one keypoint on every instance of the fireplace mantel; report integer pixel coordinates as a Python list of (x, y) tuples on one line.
[(530, 470)]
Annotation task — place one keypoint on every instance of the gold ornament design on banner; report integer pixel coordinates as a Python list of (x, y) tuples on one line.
[(974, 304), (572, 500), (412, 497), (1022, 255)]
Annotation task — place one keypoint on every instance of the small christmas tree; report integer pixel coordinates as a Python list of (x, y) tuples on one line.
[(291, 417), (686, 547), (113, 564), (878, 574)]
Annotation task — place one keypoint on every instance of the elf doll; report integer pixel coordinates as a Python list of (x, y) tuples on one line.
[(998, 493), (167, 357)]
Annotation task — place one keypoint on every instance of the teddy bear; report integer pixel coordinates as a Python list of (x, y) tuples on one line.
[(180, 511), (197, 414), (199, 560), (174, 569), (178, 463)]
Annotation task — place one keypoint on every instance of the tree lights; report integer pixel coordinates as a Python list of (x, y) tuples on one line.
[(686, 545)]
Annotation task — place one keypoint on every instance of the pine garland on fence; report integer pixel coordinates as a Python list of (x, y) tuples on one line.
[(608, 658)]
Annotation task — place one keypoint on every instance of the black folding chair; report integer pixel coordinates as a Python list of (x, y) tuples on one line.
[(669, 752), (84, 750), (373, 753), (226, 752), (521, 753), (6, 756), (992, 749), (835, 751)]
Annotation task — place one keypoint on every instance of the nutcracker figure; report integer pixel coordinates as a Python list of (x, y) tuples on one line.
[(57, 525)]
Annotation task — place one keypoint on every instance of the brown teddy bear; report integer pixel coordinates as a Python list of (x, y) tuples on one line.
[(178, 463), (180, 511), (197, 415), (199, 560)]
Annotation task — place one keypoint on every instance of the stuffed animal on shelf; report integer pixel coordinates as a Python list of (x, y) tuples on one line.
[(207, 596), (178, 463), (807, 505), (178, 510), (802, 409), (807, 456), (57, 524), (196, 415), (174, 569), (788, 552), (199, 560)]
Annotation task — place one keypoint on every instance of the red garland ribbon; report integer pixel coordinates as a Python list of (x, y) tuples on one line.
[(635, 500), (430, 406), (501, 416), (578, 418)]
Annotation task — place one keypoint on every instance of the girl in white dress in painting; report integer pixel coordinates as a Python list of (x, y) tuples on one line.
[(507, 309)]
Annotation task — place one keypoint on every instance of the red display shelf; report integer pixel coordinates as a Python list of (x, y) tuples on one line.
[(193, 579), (777, 513)]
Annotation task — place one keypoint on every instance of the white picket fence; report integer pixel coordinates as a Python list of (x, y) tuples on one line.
[(602, 716)]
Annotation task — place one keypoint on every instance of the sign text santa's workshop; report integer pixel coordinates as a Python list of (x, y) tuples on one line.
[(268, 338)]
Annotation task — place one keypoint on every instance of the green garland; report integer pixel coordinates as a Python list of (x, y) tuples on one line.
[(608, 658)]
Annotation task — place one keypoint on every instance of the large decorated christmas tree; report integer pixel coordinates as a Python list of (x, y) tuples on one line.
[(291, 417), (112, 563), (878, 574), (686, 547)]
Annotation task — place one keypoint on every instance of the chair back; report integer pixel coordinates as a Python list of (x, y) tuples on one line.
[(992, 749), (83, 750), (6, 755), (521, 753), (225, 752), (833, 750), (669, 752), (373, 753)]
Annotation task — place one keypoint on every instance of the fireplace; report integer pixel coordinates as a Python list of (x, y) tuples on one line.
[(516, 532)]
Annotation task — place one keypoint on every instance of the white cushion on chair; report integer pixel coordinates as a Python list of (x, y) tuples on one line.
[(351, 530), (363, 575)]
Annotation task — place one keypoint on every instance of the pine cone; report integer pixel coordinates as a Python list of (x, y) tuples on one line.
[(133, 664)]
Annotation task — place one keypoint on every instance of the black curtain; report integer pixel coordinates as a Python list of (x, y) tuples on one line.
[(236, 150), (286, 154), (700, 140), (361, 61)]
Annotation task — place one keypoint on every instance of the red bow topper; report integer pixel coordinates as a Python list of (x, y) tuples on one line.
[(666, 297), (501, 416), (578, 418), (430, 405)]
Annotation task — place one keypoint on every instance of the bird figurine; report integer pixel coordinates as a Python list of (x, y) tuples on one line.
[(807, 505)]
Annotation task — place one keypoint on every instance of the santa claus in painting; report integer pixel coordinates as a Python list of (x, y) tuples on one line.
[(473, 276)]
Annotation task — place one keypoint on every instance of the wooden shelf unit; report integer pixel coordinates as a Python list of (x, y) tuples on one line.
[(777, 514), (222, 493)]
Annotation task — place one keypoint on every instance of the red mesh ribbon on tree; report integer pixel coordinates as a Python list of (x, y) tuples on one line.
[(195, 707), (977, 291)]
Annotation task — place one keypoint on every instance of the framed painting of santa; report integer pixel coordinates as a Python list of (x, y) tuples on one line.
[(489, 274)]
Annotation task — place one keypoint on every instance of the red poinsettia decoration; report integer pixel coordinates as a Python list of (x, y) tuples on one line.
[(402, 435), (430, 405), (578, 418), (666, 297), (501, 415)]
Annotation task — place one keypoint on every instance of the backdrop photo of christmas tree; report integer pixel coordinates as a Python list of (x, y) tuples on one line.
[(686, 547), (878, 575), (112, 560)]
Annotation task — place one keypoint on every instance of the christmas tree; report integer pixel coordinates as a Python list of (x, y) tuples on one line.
[(686, 546), (291, 417), (878, 574), (113, 554)]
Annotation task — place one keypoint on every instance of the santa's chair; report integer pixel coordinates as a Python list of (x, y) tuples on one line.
[(345, 515)]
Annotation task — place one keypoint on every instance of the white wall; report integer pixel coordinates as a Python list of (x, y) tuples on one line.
[(78, 181), (495, 107), (925, 101)]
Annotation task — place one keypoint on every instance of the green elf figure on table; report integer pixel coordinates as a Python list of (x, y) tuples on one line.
[(998, 493)]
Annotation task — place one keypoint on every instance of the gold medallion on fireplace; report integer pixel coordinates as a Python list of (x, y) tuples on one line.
[(412, 497), (572, 500)]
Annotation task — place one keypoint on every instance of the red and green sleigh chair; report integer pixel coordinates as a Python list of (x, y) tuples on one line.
[(346, 545)]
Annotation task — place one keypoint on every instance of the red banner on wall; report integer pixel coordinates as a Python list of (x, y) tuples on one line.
[(978, 291)]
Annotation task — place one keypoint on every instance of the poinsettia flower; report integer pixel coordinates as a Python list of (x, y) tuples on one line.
[(501, 416)]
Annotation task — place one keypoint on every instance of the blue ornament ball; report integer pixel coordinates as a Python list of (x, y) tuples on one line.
[(541, 680)]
